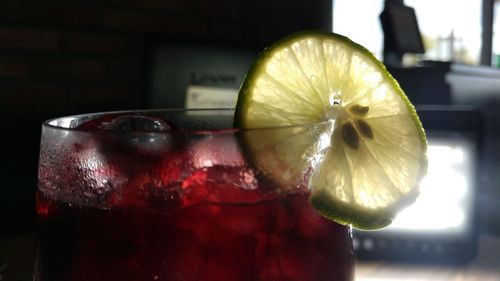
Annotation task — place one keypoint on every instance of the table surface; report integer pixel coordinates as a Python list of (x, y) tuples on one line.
[(485, 267)]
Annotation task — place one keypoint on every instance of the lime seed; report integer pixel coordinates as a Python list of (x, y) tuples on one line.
[(358, 110), (350, 136), (364, 128)]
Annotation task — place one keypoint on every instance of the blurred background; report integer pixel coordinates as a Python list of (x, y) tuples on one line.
[(69, 57)]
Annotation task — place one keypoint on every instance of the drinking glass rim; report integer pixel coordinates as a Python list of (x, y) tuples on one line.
[(49, 123)]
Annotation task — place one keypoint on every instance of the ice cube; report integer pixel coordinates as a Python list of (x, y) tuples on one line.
[(223, 184), (145, 134), (127, 122), (78, 175), (154, 179), (165, 197), (135, 166), (138, 123), (216, 150), (139, 144), (219, 172)]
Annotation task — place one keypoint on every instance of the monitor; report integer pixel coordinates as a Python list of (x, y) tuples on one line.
[(192, 75), (441, 224), (401, 32)]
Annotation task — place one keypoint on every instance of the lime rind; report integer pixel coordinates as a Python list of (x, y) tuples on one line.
[(329, 194), (258, 68), (359, 217), (336, 197)]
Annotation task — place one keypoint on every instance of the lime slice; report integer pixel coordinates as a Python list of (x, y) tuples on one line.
[(366, 151)]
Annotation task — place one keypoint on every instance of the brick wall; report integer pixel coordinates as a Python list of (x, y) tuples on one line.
[(61, 57), (72, 56), (64, 57)]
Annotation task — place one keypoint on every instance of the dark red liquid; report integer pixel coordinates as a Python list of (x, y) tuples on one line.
[(280, 239), (136, 206)]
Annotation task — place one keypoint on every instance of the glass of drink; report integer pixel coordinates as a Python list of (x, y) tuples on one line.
[(176, 195)]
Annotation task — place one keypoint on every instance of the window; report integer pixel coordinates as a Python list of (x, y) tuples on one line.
[(451, 29), (496, 33), (358, 20)]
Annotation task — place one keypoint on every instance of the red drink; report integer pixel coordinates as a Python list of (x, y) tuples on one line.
[(194, 211)]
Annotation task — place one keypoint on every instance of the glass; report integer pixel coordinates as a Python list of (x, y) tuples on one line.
[(174, 195)]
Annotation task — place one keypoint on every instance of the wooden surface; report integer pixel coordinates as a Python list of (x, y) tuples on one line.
[(485, 267)]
